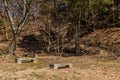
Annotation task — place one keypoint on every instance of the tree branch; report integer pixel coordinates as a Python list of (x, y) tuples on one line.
[(12, 23), (25, 15)]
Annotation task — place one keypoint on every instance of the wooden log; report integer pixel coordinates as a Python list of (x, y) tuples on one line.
[(60, 65), (20, 60)]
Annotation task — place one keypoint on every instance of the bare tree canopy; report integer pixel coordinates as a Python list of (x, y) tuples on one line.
[(59, 23), (16, 26)]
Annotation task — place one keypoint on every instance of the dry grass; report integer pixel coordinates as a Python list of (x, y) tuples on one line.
[(84, 68)]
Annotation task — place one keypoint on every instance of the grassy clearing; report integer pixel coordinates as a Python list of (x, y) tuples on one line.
[(84, 68)]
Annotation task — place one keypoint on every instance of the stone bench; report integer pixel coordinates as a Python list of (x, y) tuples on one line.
[(60, 65), (20, 60)]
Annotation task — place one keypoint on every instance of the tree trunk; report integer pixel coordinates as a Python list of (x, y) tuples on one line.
[(16, 29), (6, 33), (77, 46), (12, 46), (77, 42)]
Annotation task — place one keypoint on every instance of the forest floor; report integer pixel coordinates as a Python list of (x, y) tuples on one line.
[(84, 68)]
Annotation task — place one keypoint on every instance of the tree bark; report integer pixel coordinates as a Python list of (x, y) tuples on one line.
[(77, 42), (12, 46)]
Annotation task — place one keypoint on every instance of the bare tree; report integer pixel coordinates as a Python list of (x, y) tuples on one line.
[(16, 26)]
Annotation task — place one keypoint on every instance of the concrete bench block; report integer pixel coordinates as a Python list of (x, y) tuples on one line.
[(20, 60), (61, 65)]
